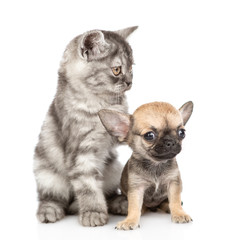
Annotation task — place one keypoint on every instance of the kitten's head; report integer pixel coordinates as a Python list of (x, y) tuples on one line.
[(100, 61)]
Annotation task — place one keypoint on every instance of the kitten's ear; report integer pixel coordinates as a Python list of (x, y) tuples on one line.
[(117, 124), (93, 45), (126, 31), (186, 111)]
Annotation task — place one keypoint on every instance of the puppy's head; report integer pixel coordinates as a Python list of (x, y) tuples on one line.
[(154, 131)]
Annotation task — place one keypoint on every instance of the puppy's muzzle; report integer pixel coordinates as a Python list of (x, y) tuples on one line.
[(167, 147)]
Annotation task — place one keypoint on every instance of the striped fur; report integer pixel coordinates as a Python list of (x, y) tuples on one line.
[(75, 161)]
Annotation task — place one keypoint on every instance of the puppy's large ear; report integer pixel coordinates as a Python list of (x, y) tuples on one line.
[(186, 111), (117, 124), (126, 31), (93, 45)]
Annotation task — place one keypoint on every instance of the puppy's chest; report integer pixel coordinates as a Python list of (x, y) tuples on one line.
[(155, 193)]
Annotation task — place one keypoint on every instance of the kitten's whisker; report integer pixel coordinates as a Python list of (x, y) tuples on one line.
[(119, 88), (117, 93)]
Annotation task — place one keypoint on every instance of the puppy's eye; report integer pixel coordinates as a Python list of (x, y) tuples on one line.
[(181, 133), (149, 136), (116, 70)]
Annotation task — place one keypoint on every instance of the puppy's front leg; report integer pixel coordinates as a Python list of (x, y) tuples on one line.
[(178, 215), (135, 200)]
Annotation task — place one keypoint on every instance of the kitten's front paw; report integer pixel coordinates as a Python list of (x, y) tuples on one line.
[(180, 217), (127, 225), (93, 219), (50, 212)]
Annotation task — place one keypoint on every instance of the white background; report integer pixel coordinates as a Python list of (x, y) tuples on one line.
[(183, 50)]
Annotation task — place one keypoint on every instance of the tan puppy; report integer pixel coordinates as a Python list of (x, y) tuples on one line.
[(151, 178)]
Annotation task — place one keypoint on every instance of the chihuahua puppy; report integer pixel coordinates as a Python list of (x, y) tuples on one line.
[(151, 178)]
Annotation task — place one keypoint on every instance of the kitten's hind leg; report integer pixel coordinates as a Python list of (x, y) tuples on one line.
[(73, 208), (118, 204)]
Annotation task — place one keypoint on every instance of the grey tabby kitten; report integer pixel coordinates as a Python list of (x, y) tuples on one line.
[(75, 162)]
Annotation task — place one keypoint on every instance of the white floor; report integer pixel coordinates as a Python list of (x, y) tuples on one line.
[(153, 225), (207, 224)]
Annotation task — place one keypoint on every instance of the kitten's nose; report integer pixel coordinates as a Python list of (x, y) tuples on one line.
[(128, 84)]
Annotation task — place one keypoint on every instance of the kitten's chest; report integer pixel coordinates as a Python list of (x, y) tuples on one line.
[(86, 104), (82, 128)]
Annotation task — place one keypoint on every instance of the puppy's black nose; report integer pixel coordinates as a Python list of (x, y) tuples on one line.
[(169, 144)]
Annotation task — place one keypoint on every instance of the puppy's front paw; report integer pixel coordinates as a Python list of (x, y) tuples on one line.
[(127, 225), (180, 217), (93, 219)]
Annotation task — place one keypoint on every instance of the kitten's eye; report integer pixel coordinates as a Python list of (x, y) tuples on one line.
[(181, 133), (116, 70), (149, 136)]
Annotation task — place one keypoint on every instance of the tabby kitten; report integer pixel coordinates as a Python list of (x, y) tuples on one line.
[(75, 163)]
